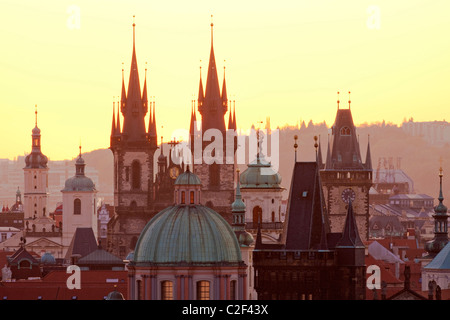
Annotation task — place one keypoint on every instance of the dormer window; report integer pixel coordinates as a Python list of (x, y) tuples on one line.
[(345, 131)]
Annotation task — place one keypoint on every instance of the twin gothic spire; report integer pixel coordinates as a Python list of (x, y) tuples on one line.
[(212, 104)]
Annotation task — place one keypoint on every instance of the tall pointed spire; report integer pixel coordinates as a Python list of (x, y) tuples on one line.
[(123, 97), (134, 108), (328, 161), (118, 130), (134, 88), (224, 90), (154, 133), (150, 120), (144, 91), (440, 216), (368, 163), (234, 127), (113, 126), (201, 94), (230, 120), (350, 235), (212, 108)]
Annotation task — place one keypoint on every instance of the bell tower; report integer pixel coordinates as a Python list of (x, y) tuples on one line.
[(133, 148), (35, 178)]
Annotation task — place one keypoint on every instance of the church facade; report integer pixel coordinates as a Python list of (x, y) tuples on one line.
[(140, 191)]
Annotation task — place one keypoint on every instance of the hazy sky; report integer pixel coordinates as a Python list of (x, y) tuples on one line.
[(284, 59)]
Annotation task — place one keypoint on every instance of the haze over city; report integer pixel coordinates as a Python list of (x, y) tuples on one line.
[(286, 60)]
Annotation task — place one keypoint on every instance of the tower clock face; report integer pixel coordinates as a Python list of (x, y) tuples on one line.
[(347, 195)]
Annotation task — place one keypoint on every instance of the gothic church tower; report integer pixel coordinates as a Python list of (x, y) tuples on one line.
[(217, 167), (133, 148), (345, 176)]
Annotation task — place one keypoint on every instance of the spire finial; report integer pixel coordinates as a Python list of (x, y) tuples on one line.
[(212, 25), (295, 147), (35, 114), (316, 145), (349, 101), (338, 100), (134, 27)]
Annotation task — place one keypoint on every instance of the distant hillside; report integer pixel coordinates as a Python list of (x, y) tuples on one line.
[(418, 159)]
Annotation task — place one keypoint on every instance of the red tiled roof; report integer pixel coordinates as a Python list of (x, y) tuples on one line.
[(95, 285)]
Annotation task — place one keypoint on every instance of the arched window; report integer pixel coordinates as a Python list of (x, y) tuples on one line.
[(345, 131), (24, 264), (192, 197), (166, 290), (233, 288), (257, 215), (183, 197), (136, 175), (273, 216), (214, 175), (203, 290), (77, 206)]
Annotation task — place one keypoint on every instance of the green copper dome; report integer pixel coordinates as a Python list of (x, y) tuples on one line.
[(187, 234), (259, 174), (79, 182), (188, 178)]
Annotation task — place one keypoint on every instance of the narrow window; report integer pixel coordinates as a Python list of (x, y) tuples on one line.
[(183, 197), (192, 197), (77, 206), (203, 290), (214, 175), (136, 175), (233, 290), (166, 290)]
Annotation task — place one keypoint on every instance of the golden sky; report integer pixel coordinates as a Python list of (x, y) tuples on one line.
[(284, 59)]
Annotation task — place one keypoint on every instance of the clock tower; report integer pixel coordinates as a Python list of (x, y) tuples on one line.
[(345, 177)]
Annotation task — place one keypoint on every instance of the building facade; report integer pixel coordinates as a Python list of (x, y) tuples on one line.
[(187, 252), (310, 262)]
